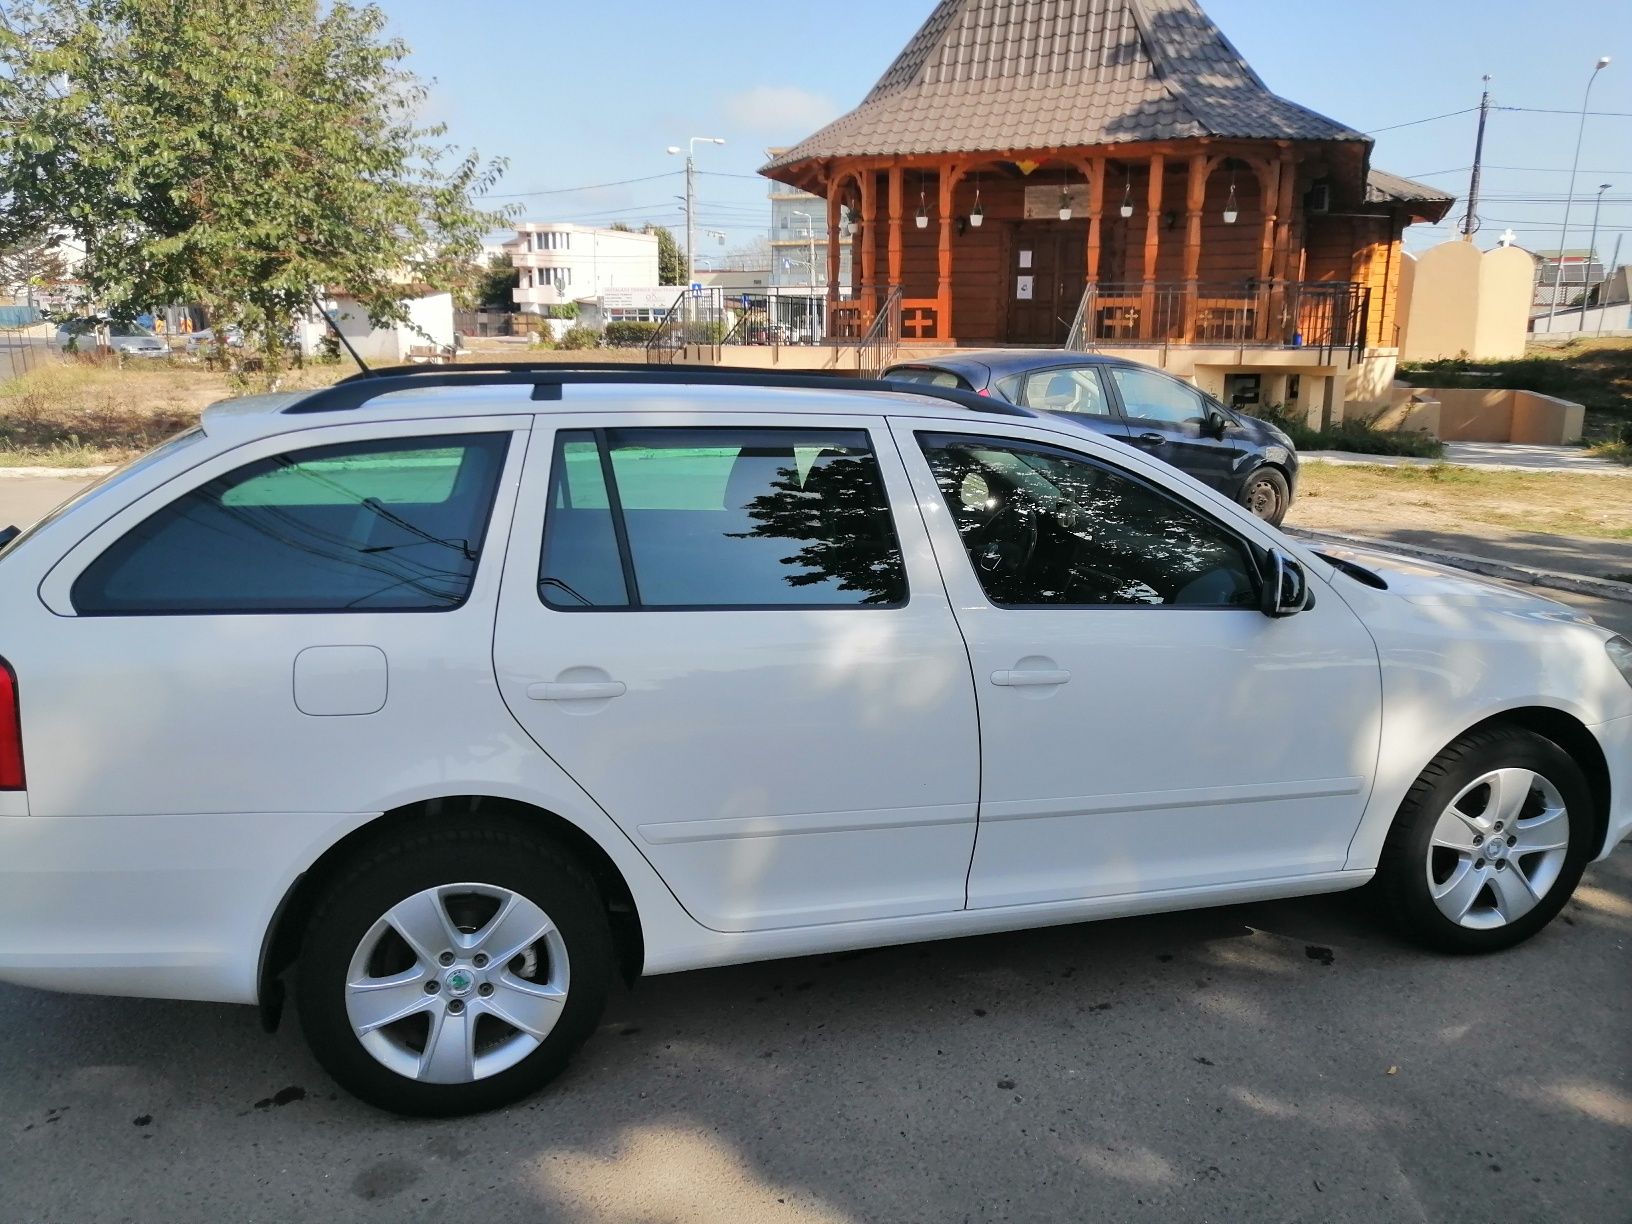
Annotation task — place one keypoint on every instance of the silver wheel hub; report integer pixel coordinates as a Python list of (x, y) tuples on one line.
[(457, 983), (1498, 848)]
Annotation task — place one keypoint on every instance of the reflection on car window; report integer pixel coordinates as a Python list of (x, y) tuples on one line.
[(925, 377), (1149, 396), (395, 524), (719, 518), (1046, 528), (1078, 391)]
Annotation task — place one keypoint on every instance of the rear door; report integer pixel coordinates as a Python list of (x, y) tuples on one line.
[(731, 632), (1169, 419), (1076, 392)]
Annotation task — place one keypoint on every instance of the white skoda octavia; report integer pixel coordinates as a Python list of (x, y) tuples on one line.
[(452, 695)]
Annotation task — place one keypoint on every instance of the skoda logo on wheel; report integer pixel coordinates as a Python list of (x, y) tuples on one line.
[(460, 981)]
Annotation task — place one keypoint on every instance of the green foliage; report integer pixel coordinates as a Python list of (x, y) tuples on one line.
[(1358, 435), (629, 333), (671, 261), (241, 156), (493, 289), (579, 338), (561, 310)]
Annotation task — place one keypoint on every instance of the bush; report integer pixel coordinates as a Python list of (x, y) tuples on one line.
[(630, 334), (1358, 435), (562, 310), (579, 337)]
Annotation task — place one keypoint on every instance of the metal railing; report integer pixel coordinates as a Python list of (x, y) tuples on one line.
[(878, 344), (777, 319), (694, 328), (1329, 316)]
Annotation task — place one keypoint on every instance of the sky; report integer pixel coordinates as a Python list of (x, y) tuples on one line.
[(579, 95)]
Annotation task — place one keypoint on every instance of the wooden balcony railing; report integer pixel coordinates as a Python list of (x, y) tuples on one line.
[(1328, 316)]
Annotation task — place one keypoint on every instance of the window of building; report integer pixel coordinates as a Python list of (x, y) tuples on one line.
[(388, 525), (1049, 528), (719, 518)]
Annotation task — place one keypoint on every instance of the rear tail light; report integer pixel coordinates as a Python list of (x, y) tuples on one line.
[(11, 732), (983, 391)]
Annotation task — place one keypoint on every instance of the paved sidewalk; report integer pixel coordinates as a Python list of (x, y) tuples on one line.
[(1503, 456)]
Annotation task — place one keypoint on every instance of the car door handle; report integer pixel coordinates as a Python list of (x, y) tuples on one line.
[(583, 690), (1030, 677), (1151, 438)]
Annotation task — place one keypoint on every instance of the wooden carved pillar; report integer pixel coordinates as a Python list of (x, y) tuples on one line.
[(943, 291), (1153, 231), (833, 226), (1269, 192), (1095, 170), (1195, 201), (896, 193), (1280, 309), (869, 253)]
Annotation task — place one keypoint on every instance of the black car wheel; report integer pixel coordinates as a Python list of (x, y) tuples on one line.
[(1267, 495)]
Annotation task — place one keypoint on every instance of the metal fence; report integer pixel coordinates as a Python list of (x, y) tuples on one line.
[(694, 329), (776, 319)]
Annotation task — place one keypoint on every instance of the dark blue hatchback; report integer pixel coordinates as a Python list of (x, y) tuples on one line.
[(1244, 458)]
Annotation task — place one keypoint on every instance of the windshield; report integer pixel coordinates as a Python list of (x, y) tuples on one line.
[(142, 462)]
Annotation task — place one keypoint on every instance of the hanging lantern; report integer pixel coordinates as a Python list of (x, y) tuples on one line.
[(923, 210), (977, 215), (1127, 198), (844, 220), (1231, 212), (1065, 200)]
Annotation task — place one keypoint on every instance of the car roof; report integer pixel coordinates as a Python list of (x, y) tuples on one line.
[(1001, 362), (261, 415)]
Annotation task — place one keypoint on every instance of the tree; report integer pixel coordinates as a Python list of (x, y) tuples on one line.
[(30, 266), (671, 261), (241, 156), (493, 291)]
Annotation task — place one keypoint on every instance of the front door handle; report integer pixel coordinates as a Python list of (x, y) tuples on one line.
[(582, 690), (1030, 677), (1151, 439)]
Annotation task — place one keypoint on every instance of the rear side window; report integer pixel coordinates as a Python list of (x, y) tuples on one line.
[(384, 525), (718, 518), (925, 376)]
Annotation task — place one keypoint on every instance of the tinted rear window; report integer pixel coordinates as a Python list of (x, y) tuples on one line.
[(925, 376)]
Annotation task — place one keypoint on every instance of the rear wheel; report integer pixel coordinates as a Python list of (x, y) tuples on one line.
[(1267, 495), (454, 971), (1489, 844)]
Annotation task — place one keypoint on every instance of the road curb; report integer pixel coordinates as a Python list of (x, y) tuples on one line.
[(1579, 584), (71, 473)]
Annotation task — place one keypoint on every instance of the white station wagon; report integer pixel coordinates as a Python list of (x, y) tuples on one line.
[(451, 695)]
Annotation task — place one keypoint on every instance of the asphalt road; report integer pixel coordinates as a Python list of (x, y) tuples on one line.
[(1287, 1061)]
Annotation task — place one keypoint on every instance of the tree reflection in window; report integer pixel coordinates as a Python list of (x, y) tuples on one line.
[(1044, 527)]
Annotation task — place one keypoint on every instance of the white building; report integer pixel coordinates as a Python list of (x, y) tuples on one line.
[(560, 262), (427, 333)]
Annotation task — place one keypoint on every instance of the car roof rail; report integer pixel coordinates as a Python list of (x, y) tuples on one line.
[(548, 378)]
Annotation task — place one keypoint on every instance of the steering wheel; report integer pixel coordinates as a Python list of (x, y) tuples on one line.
[(1000, 557)]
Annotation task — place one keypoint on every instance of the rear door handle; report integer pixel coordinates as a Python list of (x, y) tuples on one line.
[(584, 690), (1029, 677)]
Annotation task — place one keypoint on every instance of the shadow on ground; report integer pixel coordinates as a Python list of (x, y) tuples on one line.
[(1282, 1061)]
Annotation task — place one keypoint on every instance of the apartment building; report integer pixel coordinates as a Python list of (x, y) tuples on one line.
[(799, 233), (561, 262)]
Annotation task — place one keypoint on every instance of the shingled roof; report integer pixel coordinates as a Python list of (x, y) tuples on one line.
[(1385, 188), (998, 75)]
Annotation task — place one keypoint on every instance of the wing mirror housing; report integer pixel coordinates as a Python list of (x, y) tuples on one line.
[(1215, 424), (1286, 590)]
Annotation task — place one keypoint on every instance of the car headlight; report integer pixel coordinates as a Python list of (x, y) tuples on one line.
[(1620, 654)]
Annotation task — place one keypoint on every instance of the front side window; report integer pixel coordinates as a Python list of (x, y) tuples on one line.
[(718, 518), (385, 525), (1067, 391), (1150, 396), (1047, 528)]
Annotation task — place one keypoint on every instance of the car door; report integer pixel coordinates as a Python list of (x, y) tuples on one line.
[(726, 630), (1176, 423), (1144, 727), (1075, 392)]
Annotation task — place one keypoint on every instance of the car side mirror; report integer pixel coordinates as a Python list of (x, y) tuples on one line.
[(1286, 587), (1215, 424)]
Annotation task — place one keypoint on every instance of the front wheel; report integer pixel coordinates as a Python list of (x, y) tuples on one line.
[(1267, 495), (1491, 840), (454, 970)]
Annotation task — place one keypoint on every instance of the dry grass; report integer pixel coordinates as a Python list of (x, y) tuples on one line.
[(1369, 498), (85, 412)]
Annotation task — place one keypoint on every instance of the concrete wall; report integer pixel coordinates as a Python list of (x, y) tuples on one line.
[(1458, 300), (1474, 414)]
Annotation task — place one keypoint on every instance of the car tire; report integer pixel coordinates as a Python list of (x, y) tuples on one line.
[(421, 986), (1267, 495), (1499, 826)]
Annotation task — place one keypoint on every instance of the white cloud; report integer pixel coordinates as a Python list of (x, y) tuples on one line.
[(783, 111)]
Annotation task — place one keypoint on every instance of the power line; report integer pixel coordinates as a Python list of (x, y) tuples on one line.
[(1542, 110), (1466, 110), (516, 195)]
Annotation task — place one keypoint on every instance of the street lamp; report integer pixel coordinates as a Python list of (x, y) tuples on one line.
[(1592, 249), (1569, 198), (691, 197), (810, 235)]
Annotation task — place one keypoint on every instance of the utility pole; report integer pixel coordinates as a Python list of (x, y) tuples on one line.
[(1470, 220), (691, 201), (1612, 267), (1592, 250), (1569, 198)]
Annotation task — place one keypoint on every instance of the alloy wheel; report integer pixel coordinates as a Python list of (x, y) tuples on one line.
[(457, 983), (1498, 848)]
